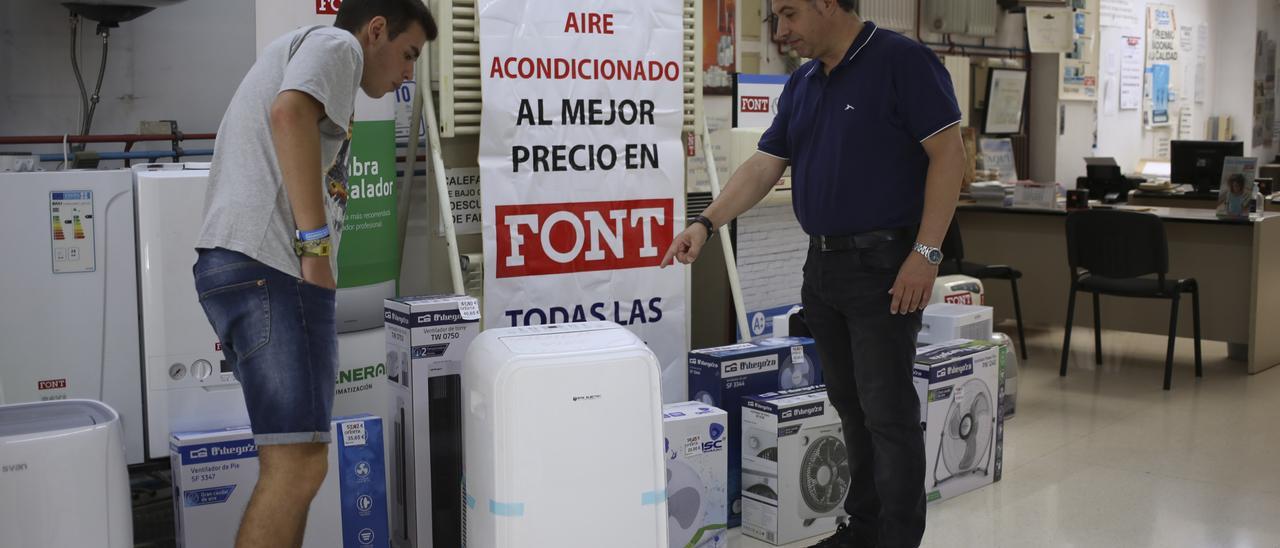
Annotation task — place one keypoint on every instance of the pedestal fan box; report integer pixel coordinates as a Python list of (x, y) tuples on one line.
[(960, 383)]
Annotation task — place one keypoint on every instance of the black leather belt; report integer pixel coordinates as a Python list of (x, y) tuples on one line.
[(858, 241)]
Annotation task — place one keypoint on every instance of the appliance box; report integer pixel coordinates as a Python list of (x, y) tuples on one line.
[(426, 340), (214, 473), (795, 468), (697, 474), (723, 375), (959, 384)]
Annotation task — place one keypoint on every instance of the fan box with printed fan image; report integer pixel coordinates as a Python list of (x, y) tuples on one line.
[(960, 384), (795, 466)]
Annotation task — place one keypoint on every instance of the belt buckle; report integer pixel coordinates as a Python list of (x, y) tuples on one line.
[(822, 244)]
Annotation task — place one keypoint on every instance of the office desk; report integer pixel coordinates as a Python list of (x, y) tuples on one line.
[(1236, 263), (1179, 200)]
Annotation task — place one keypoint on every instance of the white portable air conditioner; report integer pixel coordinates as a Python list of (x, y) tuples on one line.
[(69, 293), (189, 385), (824, 472), (947, 322), (63, 480), (967, 431), (564, 442), (957, 289)]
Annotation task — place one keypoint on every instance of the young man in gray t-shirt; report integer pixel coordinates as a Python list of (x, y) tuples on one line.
[(266, 272)]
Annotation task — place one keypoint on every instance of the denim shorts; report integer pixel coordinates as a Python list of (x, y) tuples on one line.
[(280, 337)]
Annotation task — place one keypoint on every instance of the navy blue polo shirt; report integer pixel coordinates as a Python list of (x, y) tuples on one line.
[(853, 137)]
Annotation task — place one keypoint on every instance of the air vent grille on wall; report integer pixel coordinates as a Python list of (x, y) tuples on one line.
[(897, 15), (969, 17)]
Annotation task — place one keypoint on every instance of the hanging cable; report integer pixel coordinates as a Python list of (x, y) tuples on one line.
[(105, 33), (75, 67)]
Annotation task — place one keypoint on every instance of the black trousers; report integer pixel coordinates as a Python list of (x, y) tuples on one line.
[(867, 355)]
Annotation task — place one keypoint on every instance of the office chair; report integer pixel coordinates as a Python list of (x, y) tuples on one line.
[(1114, 252)]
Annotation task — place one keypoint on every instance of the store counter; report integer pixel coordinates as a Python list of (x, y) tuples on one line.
[(1187, 200), (1237, 264)]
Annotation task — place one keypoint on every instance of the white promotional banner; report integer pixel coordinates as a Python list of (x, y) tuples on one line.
[(582, 167)]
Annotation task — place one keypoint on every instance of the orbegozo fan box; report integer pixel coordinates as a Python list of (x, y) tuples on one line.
[(795, 466), (723, 375), (960, 384)]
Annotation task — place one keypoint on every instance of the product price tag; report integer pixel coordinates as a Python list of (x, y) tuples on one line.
[(470, 309), (797, 354), (693, 446), (353, 434)]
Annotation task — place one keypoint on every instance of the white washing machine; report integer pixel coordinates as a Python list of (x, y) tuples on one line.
[(563, 428), (189, 386), (64, 480), (69, 318)]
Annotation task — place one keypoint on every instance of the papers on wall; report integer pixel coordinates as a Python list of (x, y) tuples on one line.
[(1186, 123), (1162, 138), (1162, 65), (1130, 72), (1049, 30), (1080, 65), (1202, 60), (1119, 14)]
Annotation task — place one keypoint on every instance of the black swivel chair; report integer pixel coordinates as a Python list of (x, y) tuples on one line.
[(1115, 252), (953, 263)]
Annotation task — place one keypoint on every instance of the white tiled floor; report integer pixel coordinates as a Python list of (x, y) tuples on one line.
[(1105, 458)]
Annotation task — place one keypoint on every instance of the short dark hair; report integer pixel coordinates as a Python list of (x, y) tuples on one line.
[(354, 14), (848, 5)]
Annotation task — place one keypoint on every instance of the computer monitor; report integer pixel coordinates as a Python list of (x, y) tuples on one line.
[(1199, 163)]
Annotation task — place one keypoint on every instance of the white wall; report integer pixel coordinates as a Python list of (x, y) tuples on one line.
[(1234, 29), (1121, 134), (181, 62)]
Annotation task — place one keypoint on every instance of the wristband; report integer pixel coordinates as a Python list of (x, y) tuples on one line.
[(311, 235), (313, 248)]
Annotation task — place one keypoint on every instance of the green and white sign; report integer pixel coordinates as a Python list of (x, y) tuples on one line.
[(370, 248)]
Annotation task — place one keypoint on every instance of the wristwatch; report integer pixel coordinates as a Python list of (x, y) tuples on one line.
[(711, 227), (931, 254)]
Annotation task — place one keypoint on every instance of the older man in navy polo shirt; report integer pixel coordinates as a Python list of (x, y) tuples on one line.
[(870, 128)]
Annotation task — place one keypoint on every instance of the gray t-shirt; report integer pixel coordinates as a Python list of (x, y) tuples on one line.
[(246, 206)]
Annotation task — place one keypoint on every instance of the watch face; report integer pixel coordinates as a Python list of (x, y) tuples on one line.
[(935, 256)]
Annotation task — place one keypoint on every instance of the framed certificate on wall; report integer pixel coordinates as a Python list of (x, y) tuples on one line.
[(1006, 94)]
